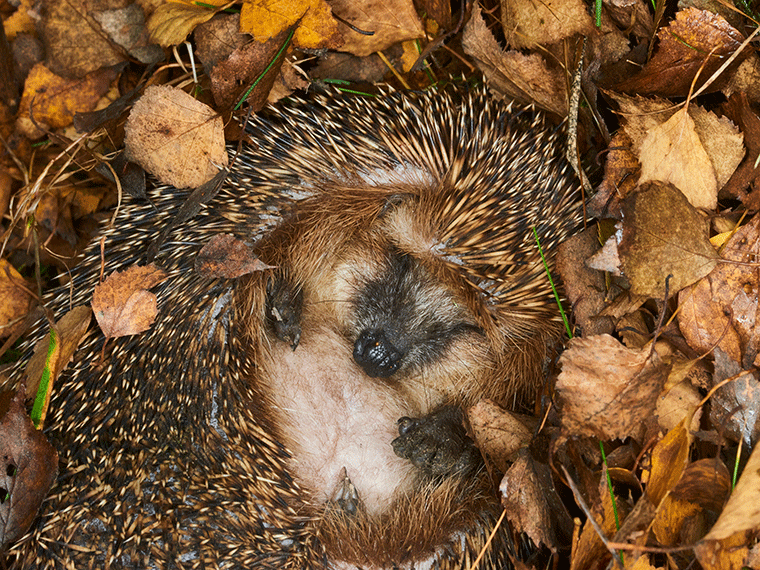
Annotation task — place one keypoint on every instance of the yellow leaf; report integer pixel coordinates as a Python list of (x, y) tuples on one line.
[(172, 22), (317, 29)]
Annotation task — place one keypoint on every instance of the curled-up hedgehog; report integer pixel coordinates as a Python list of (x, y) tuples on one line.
[(310, 415)]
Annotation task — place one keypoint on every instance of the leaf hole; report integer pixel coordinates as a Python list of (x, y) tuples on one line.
[(4, 494), (11, 470)]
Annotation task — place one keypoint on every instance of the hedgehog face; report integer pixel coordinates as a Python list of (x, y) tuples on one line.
[(403, 319)]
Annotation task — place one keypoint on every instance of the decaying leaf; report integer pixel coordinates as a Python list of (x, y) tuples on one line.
[(227, 257), (663, 236), (392, 21), (607, 390), (176, 138), (123, 305), (736, 405), (27, 471)]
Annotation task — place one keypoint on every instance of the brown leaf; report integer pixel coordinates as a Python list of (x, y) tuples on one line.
[(525, 78), (745, 182), (621, 173), (16, 299), (233, 76), (607, 390), (695, 38), (75, 43), (227, 257), (663, 236), (498, 433), (525, 502), (672, 153), (29, 468), (126, 28), (736, 405), (122, 304), (392, 21), (176, 138), (528, 24), (726, 546), (722, 308)]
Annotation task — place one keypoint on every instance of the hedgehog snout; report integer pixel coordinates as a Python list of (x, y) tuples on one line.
[(376, 354)]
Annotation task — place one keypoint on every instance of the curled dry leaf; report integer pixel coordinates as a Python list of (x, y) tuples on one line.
[(722, 308), (227, 257), (176, 138), (663, 236), (122, 303), (512, 74), (172, 22), (607, 390), (27, 471), (70, 329)]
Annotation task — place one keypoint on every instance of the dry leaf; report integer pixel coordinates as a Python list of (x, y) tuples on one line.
[(126, 28), (736, 405), (53, 100), (123, 305), (663, 236), (527, 24), (525, 78), (392, 21), (607, 390), (70, 329), (227, 257), (672, 153), (722, 308), (499, 434), (176, 138), (525, 502), (16, 299), (727, 545), (75, 43), (315, 27), (27, 471), (172, 22), (697, 41)]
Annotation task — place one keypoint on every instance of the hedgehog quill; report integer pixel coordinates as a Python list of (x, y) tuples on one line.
[(310, 415)]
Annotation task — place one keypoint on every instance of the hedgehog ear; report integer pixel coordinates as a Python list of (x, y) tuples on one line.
[(393, 201)]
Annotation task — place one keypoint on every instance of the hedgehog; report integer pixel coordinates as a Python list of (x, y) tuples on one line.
[(311, 415)]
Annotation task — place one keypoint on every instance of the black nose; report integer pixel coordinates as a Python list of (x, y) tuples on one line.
[(376, 354)]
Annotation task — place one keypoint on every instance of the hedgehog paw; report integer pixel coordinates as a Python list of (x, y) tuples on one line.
[(284, 304), (345, 497), (437, 444)]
